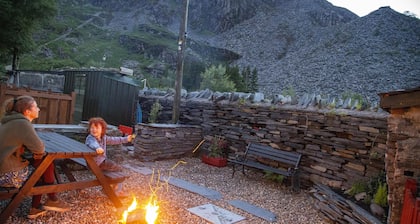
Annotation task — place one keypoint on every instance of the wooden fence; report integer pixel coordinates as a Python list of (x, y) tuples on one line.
[(56, 108), (411, 207)]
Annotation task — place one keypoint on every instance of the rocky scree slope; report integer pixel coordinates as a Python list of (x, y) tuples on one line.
[(292, 49)]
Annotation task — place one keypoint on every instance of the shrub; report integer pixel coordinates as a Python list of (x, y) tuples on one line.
[(218, 148), (289, 92), (357, 187), (273, 176), (373, 183), (381, 195), (154, 112), (215, 79)]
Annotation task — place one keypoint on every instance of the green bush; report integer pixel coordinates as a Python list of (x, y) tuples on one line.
[(355, 97), (357, 187), (375, 188), (219, 147), (154, 112), (273, 176), (215, 79), (289, 92), (373, 183), (381, 195)]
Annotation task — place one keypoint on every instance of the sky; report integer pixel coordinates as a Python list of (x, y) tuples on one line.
[(364, 7)]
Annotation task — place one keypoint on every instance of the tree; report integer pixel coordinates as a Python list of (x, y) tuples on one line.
[(253, 87), (246, 76), (215, 78), (235, 77), (18, 21), (250, 79)]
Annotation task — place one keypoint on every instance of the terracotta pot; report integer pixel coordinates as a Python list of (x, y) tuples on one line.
[(214, 161)]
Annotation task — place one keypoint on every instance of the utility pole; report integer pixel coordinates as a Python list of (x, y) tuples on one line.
[(180, 63)]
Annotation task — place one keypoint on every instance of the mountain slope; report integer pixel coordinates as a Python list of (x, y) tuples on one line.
[(368, 55), (309, 46)]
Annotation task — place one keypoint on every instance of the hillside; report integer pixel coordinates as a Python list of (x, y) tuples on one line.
[(308, 46), (376, 53)]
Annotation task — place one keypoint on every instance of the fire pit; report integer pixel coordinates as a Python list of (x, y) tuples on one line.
[(137, 215), (146, 214)]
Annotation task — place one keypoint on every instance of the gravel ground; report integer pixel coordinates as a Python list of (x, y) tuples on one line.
[(92, 206)]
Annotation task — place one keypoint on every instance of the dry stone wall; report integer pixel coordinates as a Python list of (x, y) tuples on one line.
[(165, 141), (339, 146)]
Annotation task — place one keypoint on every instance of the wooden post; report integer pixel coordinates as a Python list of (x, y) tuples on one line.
[(180, 63)]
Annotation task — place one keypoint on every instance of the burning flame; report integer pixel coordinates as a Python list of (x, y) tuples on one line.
[(152, 211), (152, 207), (131, 208)]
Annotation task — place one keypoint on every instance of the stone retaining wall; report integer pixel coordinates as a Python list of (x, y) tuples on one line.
[(339, 146), (165, 141)]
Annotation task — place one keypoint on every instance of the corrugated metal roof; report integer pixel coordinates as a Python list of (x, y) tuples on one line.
[(400, 99)]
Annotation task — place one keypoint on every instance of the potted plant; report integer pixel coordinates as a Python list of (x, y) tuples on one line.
[(217, 152)]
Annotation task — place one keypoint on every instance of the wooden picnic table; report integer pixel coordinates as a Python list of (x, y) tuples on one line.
[(59, 147)]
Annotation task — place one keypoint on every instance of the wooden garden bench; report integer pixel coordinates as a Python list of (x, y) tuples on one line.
[(113, 177), (65, 164), (266, 158)]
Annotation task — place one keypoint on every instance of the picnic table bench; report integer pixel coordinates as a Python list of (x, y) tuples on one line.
[(266, 158), (59, 147), (51, 139)]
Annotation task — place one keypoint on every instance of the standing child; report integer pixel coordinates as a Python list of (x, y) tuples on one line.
[(98, 140)]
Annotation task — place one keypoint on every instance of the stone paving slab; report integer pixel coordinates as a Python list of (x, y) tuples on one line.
[(215, 214), (255, 210), (203, 191), (139, 169)]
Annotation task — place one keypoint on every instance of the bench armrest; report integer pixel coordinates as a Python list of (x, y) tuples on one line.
[(293, 170), (240, 157)]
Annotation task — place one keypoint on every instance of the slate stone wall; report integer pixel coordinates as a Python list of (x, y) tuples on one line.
[(166, 141), (339, 146)]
